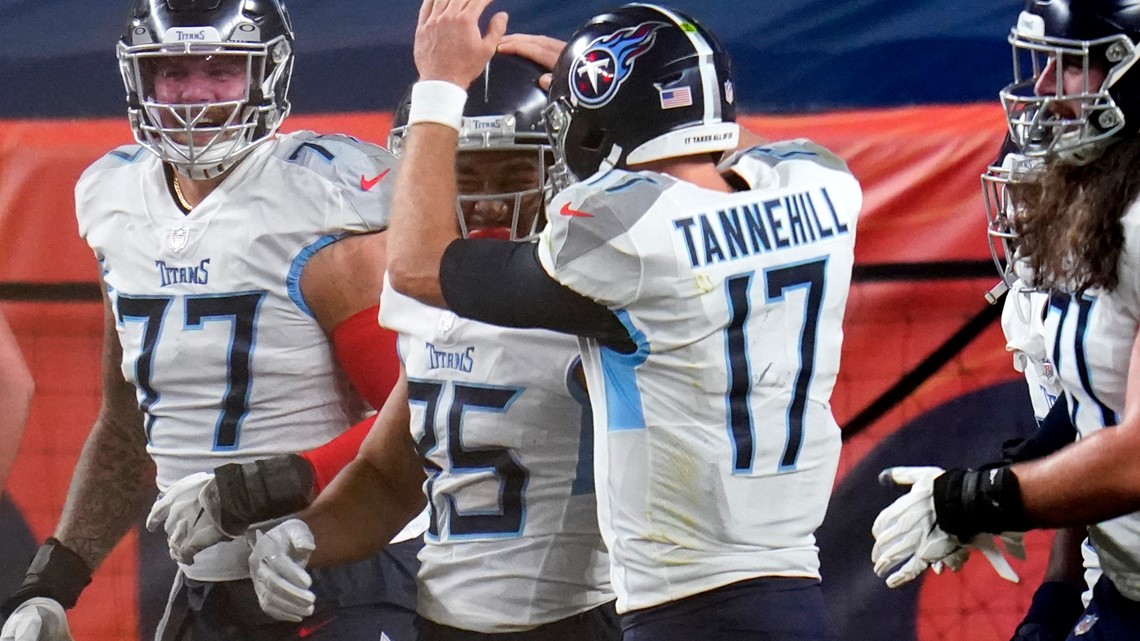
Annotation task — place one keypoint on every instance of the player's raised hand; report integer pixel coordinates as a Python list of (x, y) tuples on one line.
[(450, 45), (277, 566), (542, 50), (37, 619), (182, 512)]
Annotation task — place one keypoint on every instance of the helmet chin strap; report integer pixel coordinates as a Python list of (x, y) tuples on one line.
[(611, 160), (206, 169), (198, 171)]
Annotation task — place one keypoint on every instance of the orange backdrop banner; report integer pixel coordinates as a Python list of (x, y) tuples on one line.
[(919, 169)]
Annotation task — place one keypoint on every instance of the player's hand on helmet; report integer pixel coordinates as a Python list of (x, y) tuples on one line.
[(542, 50), (449, 43), (183, 512), (37, 619), (277, 567), (906, 533)]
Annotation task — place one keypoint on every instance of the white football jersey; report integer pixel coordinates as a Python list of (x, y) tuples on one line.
[(716, 448), (508, 446), (1090, 340), (1023, 323), (229, 363)]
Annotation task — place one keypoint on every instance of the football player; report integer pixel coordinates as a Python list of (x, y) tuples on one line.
[(710, 299), (1078, 236), (237, 327), (1073, 566), (500, 418)]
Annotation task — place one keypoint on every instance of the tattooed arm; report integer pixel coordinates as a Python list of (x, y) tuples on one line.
[(111, 489), (113, 484)]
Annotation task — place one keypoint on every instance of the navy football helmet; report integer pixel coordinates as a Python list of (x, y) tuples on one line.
[(203, 139), (504, 154), (637, 84), (1089, 37)]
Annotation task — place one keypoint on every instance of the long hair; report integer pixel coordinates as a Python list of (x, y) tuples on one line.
[(1069, 226)]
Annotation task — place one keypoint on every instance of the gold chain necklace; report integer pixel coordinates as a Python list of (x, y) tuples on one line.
[(178, 192)]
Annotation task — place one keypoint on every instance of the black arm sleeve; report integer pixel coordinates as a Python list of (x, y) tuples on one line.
[(503, 283)]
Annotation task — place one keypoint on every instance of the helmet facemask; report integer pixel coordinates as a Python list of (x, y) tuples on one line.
[(1078, 120), (1006, 188), (557, 118), (501, 178), (203, 139)]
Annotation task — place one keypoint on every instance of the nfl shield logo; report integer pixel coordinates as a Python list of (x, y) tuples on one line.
[(446, 322), (178, 238), (729, 92)]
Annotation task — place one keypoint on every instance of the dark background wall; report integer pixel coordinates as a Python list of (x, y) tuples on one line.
[(57, 56)]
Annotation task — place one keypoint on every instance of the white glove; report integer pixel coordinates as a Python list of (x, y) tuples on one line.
[(1012, 542), (905, 532), (181, 509), (277, 566), (37, 619)]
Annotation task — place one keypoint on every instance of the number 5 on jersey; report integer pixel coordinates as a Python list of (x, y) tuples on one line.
[(508, 520)]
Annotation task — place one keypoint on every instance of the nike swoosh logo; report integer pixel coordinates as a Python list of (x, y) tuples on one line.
[(367, 185), (566, 211), (308, 630)]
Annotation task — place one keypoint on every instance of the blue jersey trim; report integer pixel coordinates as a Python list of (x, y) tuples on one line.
[(293, 280), (624, 410), (584, 470)]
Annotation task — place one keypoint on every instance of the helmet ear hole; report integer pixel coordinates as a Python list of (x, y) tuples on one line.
[(593, 139)]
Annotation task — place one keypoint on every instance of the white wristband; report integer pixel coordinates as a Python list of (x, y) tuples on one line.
[(437, 101)]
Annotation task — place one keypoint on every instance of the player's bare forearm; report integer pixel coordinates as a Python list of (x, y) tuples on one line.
[(376, 495), (1107, 464), (113, 484), (451, 47), (112, 488), (1066, 564), (423, 212), (357, 515)]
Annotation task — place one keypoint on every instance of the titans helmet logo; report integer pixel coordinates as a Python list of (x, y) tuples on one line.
[(603, 66)]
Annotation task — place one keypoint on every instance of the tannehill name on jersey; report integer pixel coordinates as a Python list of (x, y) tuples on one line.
[(175, 275), (770, 225), (463, 361)]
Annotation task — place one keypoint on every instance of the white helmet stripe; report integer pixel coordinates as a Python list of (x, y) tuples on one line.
[(709, 81)]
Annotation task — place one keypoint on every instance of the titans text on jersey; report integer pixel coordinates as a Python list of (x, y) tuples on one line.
[(174, 275), (463, 360)]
